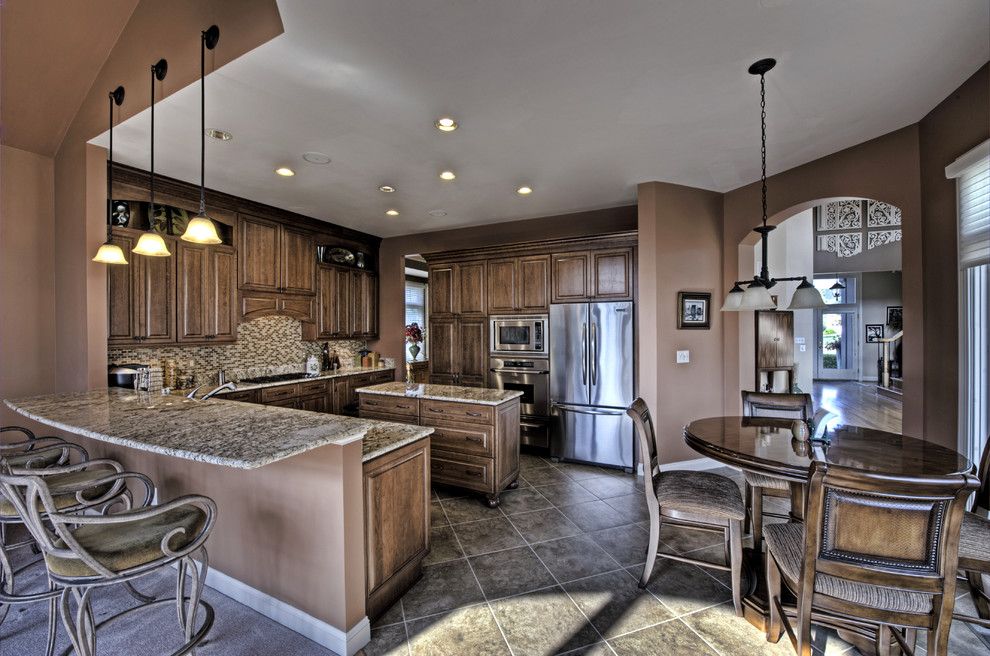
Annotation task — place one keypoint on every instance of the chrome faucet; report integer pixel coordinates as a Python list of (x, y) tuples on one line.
[(192, 394), (217, 390)]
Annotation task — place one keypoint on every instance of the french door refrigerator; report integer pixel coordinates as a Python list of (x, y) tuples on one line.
[(591, 382)]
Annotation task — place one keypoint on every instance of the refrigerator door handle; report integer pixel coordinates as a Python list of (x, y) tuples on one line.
[(584, 353), (585, 410), (594, 354)]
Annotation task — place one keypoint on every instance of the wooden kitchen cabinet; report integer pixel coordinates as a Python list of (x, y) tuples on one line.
[(205, 293), (364, 304), (458, 289), (347, 302), (604, 275), (297, 261), (275, 258), (120, 295), (459, 351), (141, 295), (774, 349), (518, 285)]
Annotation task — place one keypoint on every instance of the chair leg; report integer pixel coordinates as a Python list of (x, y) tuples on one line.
[(735, 563), (883, 640), (651, 550), (774, 627), (80, 627), (804, 646), (979, 593), (52, 620), (748, 496), (757, 512), (6, 580)]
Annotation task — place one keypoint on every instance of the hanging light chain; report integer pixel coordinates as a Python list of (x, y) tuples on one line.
[(763, 141), (202, 122)]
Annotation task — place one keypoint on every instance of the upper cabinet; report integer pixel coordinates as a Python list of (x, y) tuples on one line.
[(518, 284), (141, 295), (458, 289), (206, 278), (275, 258), (600, 275), (347, 303)]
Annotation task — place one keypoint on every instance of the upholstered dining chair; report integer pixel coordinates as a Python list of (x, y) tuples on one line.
[(695, 500), (758, 486), (86, 552), (974, 546), (877, 555)]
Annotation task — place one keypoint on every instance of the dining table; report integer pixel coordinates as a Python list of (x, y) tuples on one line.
[(768, 446)]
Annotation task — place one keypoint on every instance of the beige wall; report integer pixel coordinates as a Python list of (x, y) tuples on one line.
[(394, 249), (27, 281), (680, 249)]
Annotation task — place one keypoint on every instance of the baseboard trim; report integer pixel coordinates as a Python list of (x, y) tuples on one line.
[(346, 643), (698, 464)]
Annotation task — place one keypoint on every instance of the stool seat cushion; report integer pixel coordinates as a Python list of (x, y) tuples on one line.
[(785, 544), (25, 458), (59, 483), (121, 547), (764, 481), (700, 493), (974, 543)]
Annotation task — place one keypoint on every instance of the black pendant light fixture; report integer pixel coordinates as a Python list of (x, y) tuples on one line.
[(757, 294), (110, 253), (151, 243), (201, 229)]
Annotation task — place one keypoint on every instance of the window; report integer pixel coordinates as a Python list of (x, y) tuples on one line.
[(837, 296), (416, 299), (972, 174)]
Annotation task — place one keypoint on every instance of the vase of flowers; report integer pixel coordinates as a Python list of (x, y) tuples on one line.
[(414, 335)]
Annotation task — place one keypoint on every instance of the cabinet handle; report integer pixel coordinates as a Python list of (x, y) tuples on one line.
[(476, 474), (473, 438), (440, 412), (404, 407), (370, 403), (472, 414)]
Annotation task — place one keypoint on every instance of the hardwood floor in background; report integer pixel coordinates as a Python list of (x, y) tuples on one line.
[(858, 404)]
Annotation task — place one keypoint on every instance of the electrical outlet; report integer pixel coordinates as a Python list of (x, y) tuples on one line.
[(683, 357), (803, 348)]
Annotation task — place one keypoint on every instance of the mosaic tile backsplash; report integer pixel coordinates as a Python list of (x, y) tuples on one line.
[(266, 345)]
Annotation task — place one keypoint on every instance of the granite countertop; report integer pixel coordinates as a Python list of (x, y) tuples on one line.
[(482, 395), (340, 373), (228, 433)]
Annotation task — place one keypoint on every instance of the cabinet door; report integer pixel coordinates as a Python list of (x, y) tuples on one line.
[(122, 319), (298, 261), (532, 284), (326, 300), (314, 403), (258, 254), (785, 338), (156, 297), (611, 275), (471, 350), (340, 392), (192, 292), (471, 290), (223, 294), (443, 361), (569, 277), (364, 304), (441, 290), (502, 284)]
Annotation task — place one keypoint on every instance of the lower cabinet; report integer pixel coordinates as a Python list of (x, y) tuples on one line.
[(396, 523), (331, 395)]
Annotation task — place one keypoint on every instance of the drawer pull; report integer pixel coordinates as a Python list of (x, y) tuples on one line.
[(436, 410), (404, 407), (370, 403), (473, 438), (471, 472), (472, 414)]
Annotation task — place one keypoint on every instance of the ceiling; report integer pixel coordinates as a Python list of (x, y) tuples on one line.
[(579, 99)]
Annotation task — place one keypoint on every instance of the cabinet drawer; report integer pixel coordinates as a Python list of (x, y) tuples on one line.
[(286, 403), (462, 438), (359, 380), (475, 414), (246, 396), (385, 416), (382, 377), (313, 387), (396, 405), (279, 393), (472, 472)]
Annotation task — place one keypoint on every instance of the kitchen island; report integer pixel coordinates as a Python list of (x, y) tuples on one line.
[(475, 443), (322, 518)]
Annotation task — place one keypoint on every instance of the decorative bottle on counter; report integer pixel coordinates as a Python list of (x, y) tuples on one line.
[(327, 362), (335, 360)]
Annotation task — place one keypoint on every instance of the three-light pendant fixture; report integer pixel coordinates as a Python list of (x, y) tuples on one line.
[(201, 229)]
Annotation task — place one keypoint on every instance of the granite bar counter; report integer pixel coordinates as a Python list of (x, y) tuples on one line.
[(453, 393)]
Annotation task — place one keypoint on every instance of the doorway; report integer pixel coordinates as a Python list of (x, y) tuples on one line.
[(837, 329)]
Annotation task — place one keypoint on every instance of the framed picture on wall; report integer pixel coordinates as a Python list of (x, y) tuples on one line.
[(694, 310), (874, 332), (895, 317)]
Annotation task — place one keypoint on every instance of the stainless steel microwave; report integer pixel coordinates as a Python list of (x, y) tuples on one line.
[(519, 334)]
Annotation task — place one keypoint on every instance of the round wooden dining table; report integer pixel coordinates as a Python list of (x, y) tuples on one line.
[(767, 446)]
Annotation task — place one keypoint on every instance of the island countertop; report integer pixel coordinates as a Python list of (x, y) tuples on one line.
[(455, 393), (228, 433)]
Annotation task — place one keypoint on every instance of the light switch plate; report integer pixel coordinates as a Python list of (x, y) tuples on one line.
[(803, 348), (683, 357)]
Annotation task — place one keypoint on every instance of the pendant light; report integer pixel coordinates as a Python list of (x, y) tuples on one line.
[(151, 243), (757, 295), (110, 253), (201, 229)]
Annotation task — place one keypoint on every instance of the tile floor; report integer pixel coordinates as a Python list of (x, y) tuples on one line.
[(554, 570)]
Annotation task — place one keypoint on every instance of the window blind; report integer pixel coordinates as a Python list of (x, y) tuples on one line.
[(416, 309), (972, 173)]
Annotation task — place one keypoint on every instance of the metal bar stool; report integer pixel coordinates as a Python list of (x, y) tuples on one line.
[(85, 552)]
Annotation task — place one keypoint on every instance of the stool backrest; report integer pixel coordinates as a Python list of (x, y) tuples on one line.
[(889, 531), (646, 439), (983, 494), (777, 405)]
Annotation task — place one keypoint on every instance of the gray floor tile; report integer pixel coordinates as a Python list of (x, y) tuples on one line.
[(524, 499), (392, 616), (566, 493), (731, 635), (487, 535), (604, 487), (683, 588), (665, 639), (512, 572), (449, 492), (543, 622), (578, 472), (544, 476), (443, 587), (593, 516), (387, 641), (469, 630), (544, 525), (437, 516), (682, 540), (627, 544), (631, 506), (468, 509), (443, 546), (574, 557), (615, 603)]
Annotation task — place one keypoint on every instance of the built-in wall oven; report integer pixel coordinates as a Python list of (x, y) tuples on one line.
[(524, 335), (531, 376)]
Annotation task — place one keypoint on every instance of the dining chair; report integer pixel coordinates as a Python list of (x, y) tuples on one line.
[(695, 500), (877, 555), (974, 546), (758, 486), (84, 552)]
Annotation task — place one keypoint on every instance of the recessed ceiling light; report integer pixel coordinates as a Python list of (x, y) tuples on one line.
[(437, 213), (447, 175), (388, 189), (445, 124), (524, 191), (285, 171), (392, 212), (219, 135), (314, 157)]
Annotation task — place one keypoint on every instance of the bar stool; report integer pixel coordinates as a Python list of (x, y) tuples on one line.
[(86, 552)]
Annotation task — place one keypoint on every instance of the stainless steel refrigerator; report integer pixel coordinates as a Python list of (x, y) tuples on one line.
[(591, 382)]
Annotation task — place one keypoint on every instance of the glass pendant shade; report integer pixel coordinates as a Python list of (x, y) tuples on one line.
[(110, 254), (201, 230), (806, 297), (151, 244), (757, 297), (733, 299)]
